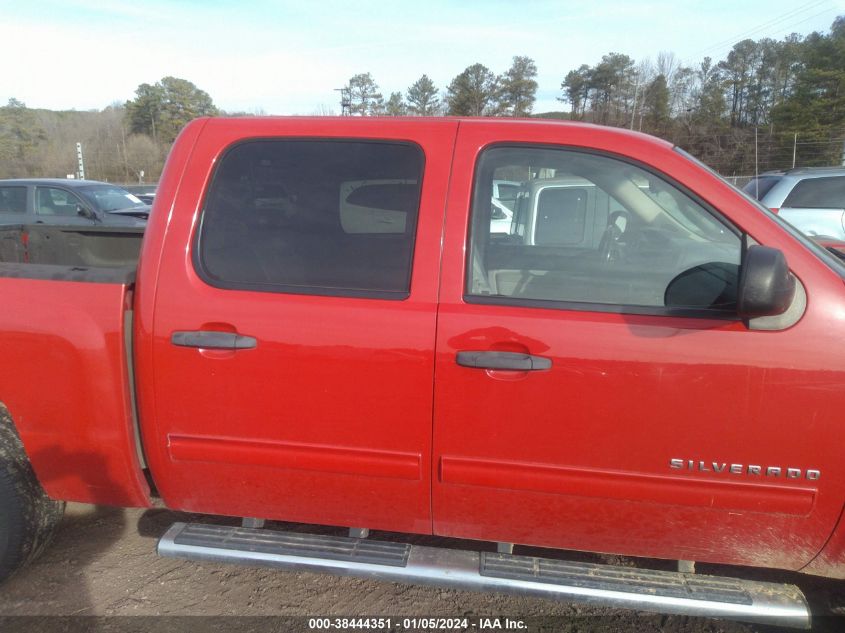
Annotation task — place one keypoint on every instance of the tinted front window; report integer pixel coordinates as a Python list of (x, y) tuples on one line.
[(12, 199), (759, 187), (591, 229), (54, 201), (823, 193), (313, 216)]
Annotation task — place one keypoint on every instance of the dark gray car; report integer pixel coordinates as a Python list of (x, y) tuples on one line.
[(812, 198), (70, 203)]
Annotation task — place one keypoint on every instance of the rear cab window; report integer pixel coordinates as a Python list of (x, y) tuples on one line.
[(818, 193), (312, 216)]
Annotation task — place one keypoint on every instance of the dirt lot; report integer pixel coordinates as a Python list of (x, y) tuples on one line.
[(103, 563)]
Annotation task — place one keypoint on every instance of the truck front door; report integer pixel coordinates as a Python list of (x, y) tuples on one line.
[(600, 393)]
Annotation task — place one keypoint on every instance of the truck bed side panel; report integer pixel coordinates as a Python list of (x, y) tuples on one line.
[(64, 378)]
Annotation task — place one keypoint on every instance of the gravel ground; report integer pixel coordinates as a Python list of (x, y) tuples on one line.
[(103, 563)]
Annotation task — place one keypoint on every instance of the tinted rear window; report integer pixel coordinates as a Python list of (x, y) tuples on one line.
[(12, 199), (330, 217), (759, 187), (825, 193)]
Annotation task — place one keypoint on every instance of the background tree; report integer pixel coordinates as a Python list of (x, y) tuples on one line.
[(815, 109), (423, 99), (163, 109), (20, 134), (144, 111), (655, 105), (472, 93), (518, 88), (395, 105), (612, 87), (576, 87), (141, 155), (365, 98)]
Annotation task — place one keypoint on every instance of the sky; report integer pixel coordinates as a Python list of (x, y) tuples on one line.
[(288, 57)]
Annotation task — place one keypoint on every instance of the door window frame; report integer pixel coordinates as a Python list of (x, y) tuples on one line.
[(68, 192), (478, 189), (276, 288)]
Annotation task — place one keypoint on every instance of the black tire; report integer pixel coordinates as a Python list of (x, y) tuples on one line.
[(28, 517)]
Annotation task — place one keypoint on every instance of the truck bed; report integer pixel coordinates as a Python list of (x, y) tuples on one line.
[(79, 247), (64, 332)]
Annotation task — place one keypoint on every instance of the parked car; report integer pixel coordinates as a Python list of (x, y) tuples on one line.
[(69, 202), (810, 198), (326, 330)]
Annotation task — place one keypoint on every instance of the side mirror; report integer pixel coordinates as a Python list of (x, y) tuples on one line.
[(86, 213), (766, 287)]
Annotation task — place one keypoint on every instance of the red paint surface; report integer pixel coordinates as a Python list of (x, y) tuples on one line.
[(64, 380), (739, 496), (309, 457)]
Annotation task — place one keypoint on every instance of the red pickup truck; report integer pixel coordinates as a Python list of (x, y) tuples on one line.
[(323, 328)]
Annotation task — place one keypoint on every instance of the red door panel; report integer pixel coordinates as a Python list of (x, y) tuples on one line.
[(327, 419), (580, 456)]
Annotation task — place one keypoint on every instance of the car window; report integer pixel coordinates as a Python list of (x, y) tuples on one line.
[(54, 201), (376, 206), (593, 229), (561, 215), (331, 217), (12, 199), (107, 198), (824, 193), (760, 186)]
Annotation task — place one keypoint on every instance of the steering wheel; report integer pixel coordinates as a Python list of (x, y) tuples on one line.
[(610, 245)]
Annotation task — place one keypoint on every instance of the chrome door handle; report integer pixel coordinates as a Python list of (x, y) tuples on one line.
[(208, 339), (512, 361)]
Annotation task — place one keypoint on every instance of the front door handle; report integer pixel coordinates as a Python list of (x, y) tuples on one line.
[(207, 339), (512, 361)]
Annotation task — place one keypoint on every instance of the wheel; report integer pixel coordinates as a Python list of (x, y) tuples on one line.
[(28, 517)]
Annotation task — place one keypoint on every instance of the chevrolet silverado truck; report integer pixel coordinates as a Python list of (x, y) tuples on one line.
[(322, 328)]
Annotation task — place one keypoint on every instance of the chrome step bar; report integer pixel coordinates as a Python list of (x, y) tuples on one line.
[(640, 589)]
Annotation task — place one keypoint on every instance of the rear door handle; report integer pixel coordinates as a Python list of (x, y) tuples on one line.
[(513, 361), (208, 339)]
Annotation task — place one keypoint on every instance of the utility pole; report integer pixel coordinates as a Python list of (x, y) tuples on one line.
[(80, 171), (794, 149), (756, 168), (843, 153), (634, 108)]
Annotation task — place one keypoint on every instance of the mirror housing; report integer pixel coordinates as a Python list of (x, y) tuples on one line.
[(766, 287), (86, 213)]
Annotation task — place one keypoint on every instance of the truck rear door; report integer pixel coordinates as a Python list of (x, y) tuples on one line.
[(295, 320), (588, 397)]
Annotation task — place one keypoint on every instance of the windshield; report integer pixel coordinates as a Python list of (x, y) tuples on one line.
[(107, 198), (832, 261)]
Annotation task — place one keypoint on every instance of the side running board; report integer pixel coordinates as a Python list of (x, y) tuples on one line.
[(641, 589)]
